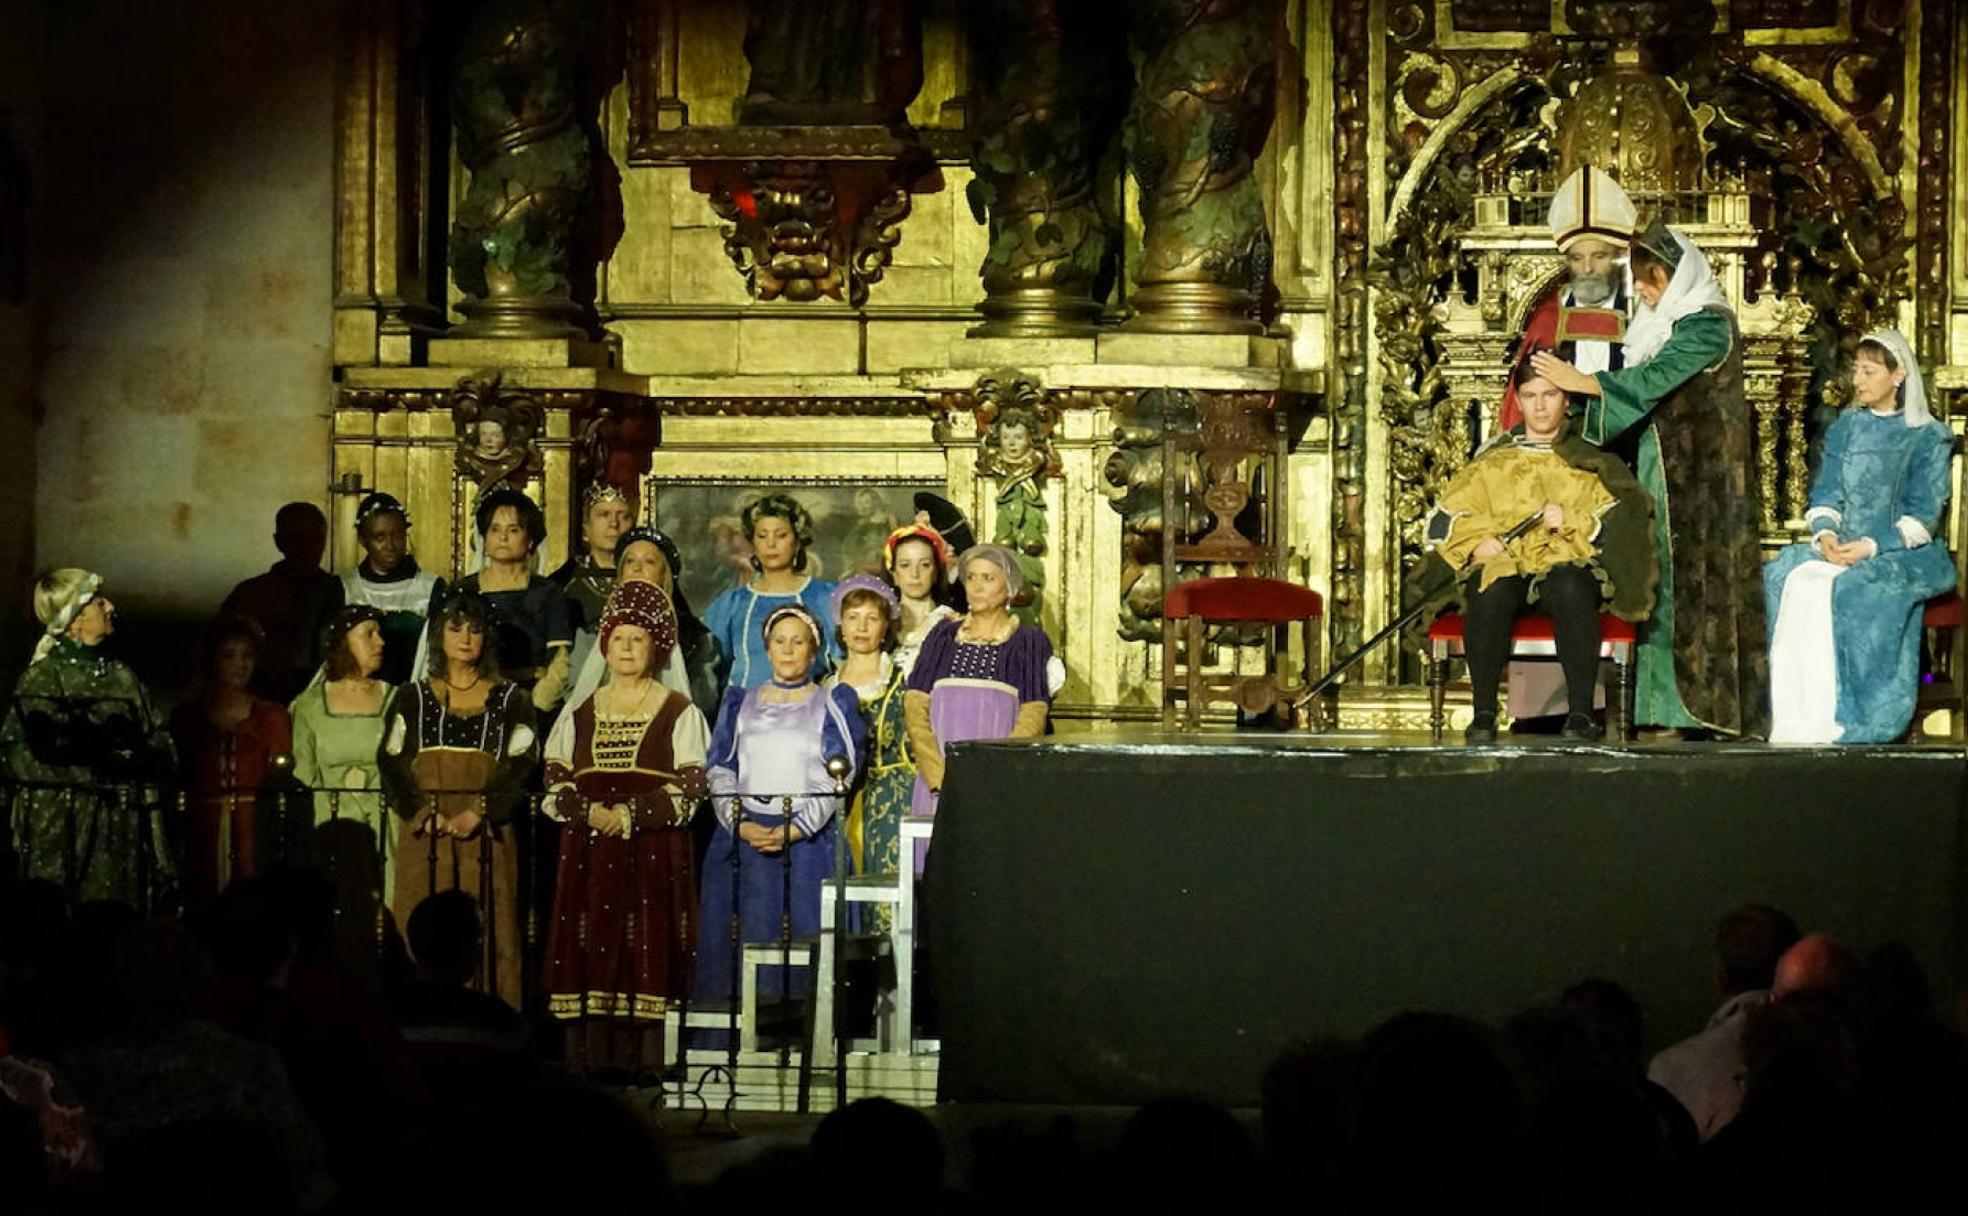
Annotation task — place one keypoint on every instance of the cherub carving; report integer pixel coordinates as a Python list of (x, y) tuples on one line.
[(496, 428)]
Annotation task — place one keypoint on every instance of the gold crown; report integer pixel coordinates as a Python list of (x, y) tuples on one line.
[(601, 492)]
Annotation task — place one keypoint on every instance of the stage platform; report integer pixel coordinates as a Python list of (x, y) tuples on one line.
[(1120, 916)]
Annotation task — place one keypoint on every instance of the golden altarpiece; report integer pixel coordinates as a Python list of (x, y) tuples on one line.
[(1001, 250)]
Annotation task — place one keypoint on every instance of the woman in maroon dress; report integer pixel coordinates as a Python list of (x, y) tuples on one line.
[(625, 771), (226, 737)]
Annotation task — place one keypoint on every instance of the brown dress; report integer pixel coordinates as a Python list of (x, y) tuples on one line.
[(437, 762), (619, 948)]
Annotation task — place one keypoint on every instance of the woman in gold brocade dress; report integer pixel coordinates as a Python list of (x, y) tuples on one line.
[(456, 748), (625, 772)]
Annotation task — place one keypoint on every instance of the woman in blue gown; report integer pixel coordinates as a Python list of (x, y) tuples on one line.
[(781, 533), (772, 851), (1845, 608)]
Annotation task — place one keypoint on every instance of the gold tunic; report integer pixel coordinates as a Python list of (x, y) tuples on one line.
[(1496, 491)]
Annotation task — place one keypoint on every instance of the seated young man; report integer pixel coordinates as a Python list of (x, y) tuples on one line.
[(1592, 545)]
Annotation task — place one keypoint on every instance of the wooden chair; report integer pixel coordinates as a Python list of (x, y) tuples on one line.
[(1189, 607), (1943, 688), (1532, 637)]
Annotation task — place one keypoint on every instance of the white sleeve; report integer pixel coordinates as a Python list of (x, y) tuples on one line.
[(560, 740), (690, 738)]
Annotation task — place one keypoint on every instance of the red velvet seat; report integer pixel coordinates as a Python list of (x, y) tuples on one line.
[(1942, 612), (1270, 602), (1536, 627), (1617, 638)]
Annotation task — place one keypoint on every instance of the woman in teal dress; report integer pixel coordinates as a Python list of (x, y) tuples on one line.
[(88, 751), (781, 533), (1845, 607), (868, 611)]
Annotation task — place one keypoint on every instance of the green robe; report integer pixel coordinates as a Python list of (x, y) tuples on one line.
[(88, 752), (1703, 660)]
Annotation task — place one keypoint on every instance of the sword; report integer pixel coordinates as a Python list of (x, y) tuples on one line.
[(1427, 601)]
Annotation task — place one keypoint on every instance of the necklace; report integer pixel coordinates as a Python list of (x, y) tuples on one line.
[(454, 687), (642, 700), (779, 683), (971, 632)]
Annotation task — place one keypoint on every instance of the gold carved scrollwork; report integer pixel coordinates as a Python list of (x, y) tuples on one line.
[(803, 229), (1134, 473), (1639, 127), (1352, 204), (1427, 430)]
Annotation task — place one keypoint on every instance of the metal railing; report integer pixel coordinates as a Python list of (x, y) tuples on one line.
[(297, 825)]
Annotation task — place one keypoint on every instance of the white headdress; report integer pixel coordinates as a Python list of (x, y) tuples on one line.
[(62, 613), (1913, 390), (1591, 206), (1692, 289)]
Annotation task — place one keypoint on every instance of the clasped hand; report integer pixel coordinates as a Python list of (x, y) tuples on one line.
[(463, 825), (1850, 553), (769, 839), (610, 820)]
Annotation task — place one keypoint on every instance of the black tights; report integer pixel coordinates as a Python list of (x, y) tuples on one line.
[(1569, 595)]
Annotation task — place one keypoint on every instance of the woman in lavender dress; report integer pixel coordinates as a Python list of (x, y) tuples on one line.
[(981, 676), (771, 741)]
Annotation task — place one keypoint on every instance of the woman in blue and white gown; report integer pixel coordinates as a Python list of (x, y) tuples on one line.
[(1845, 638), (775, 803)]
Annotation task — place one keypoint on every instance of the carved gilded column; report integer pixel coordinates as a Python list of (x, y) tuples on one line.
[(1352, 204), (1202, 110), (385, 293), (1937, 22), (516, 94), (1046, 96)]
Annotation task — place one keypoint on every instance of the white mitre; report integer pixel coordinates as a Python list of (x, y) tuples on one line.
[(1591, 206)]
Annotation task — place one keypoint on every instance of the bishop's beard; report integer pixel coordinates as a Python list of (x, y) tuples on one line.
[(1592, 290)]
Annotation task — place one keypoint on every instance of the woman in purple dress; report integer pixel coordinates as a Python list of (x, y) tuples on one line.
[(773, 741), (980, 676)]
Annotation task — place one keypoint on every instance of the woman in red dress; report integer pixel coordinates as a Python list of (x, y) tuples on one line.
[(625, 771), (226, 738)]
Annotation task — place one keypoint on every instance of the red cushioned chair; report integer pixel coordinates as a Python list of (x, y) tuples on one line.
[(1532, 637), (1188, 607)]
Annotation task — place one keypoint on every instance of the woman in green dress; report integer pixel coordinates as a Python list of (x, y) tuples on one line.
[(338, 724), (868, 611), (85, 753), (1703, 664)]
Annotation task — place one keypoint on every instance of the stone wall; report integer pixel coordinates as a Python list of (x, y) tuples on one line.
[(20, 125), (185, 224)]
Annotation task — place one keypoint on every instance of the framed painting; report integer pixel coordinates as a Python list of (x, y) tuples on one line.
[(850, 522)]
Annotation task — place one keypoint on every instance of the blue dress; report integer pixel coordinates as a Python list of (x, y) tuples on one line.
[(1882, 480), (760, 752), (736, 618)]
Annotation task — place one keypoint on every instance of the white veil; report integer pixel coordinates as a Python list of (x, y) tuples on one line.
[(1692, 289), (1913, 390)]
